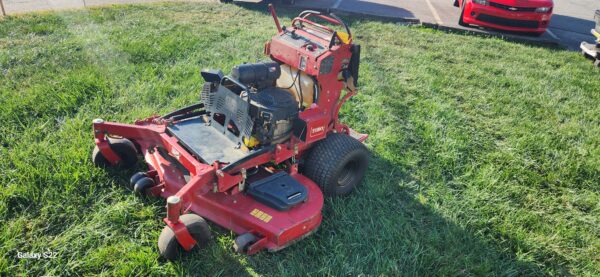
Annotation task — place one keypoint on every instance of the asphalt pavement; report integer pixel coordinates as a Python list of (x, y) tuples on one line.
[(571, 22)]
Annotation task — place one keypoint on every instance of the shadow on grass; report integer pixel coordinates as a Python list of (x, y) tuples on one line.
[(386, 226)]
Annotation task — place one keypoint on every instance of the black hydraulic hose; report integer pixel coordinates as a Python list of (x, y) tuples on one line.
[(342, 22), (316, 91), (294, 84), (184, 110), (188, 115), (295, 78), (300, 86)]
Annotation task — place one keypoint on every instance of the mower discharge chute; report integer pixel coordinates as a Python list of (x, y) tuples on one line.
[(259, 151)]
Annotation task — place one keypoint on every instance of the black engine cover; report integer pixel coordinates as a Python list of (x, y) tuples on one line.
[(273, 110)]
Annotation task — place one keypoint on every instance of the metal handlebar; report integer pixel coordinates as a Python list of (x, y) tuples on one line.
[(312, 23), (331, 18)]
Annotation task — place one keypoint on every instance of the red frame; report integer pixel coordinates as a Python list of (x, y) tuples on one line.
[(543, 19), (213, 193)]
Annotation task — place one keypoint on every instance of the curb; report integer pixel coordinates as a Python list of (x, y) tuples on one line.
[(398, 19), (504, 36)]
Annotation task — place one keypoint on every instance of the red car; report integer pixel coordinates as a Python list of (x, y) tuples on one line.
[(531, 16)]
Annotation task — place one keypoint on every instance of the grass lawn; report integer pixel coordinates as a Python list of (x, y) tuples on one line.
[(485, 153)]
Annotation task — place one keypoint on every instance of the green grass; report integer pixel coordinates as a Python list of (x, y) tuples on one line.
[(485, 153)]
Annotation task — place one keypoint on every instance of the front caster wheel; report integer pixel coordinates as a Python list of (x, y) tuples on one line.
[(338, 164), (142, 185), (123, 147), (169, 247), (136, 177), (241, 243)]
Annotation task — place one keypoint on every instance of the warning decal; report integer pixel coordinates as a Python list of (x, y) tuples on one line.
[(261, 215)]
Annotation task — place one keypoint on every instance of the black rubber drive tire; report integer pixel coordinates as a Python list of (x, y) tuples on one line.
[(462, 15), (169, 247), (241, 242), (337, 164), (123, 147), (136, 177), (142, 185)]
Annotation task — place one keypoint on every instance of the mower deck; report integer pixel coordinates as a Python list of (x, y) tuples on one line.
[(206, 142), (242, 214)]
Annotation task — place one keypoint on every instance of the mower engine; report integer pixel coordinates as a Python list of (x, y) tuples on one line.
[(249, 105)]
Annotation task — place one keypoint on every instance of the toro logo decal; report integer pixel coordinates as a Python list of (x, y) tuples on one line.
[(317, 131)]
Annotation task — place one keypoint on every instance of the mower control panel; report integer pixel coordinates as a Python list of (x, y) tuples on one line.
[(301, 50), (302, 42)]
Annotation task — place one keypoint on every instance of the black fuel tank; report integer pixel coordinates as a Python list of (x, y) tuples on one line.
[(257, 74)]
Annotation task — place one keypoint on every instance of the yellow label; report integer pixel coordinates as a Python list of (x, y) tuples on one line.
[(261, 215), (344, 37)]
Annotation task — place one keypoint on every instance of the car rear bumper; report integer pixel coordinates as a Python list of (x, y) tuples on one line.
[(518, 21)]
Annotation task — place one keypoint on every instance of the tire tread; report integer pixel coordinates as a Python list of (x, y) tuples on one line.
[(320, 164)]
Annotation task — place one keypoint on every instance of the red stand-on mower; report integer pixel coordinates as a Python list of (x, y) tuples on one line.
[(259, 151)]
